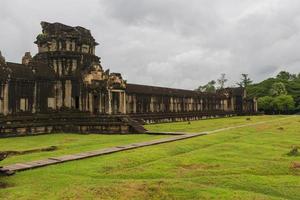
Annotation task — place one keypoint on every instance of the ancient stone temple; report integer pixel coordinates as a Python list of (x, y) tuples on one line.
[(64, 88)]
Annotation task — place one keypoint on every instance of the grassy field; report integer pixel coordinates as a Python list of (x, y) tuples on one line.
[(243, 163), (65, 144), (207, 124)]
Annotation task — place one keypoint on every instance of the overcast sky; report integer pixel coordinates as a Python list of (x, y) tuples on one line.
[(174, 43)]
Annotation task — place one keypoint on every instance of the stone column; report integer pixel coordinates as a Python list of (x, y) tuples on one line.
[(232, 104), (68, 94), (124, 102), (221, 103), (121, 102), (80, 100), (103, 102), (100, 102), (171, 104), (108, 108), (34, 97), (225, 105), (109, 102), (91, 103), (201, 104), (134, 103), (5, 99), (151, 104), (120, 106), (87, 102), (255, 104), (58, 94), (1, 99)]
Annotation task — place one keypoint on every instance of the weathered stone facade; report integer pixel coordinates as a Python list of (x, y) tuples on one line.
[(66, 74)]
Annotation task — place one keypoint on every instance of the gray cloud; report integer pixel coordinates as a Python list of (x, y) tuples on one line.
[(170, 43)]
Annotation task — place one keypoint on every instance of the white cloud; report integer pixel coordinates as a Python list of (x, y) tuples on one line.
[(170, 43)]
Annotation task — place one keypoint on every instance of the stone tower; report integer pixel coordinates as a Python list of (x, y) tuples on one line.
[(81, 83), (2, 59), (69, 50), (27, 58)]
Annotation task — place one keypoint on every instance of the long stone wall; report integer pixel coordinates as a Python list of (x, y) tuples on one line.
[(67, 122), (66, 75)]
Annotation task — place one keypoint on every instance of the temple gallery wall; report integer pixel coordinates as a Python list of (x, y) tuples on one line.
[(66, 76)]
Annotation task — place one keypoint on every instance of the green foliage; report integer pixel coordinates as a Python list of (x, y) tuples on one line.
[(279, 104), (278, 89), (209, 87), (265, 103), (260, 89), (284, 75), (42, 37), (222, 80), (284, 103), (245, 81), (284, 84)]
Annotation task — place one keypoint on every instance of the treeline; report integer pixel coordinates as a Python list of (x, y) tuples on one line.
[(277, 95)]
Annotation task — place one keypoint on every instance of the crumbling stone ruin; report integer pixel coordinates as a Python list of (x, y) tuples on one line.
[(65, 88)]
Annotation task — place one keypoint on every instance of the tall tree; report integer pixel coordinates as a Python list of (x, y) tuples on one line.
[(284, 103), (245, 81), (209, 87), (278, 89), (222, 80), (284, 75), (265, 104)]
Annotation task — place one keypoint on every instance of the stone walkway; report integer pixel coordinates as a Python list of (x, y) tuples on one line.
[(10, 169), (55, 160)]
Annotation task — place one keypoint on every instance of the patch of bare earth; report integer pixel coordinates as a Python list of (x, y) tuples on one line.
[(14, 153), (4, 185), (185, 169), (144, 190), (124, 191), (295, 165), (69, 140), (262, 127)]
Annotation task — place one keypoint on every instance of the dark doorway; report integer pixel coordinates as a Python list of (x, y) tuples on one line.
[(115, 102), (96, 104), (77, 102)]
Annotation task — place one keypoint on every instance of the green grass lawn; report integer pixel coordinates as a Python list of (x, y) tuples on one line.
[(243, 163), (65, 143), (207, 124)]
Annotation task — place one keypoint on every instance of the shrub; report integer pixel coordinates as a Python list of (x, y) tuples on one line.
[(279, 104), (265, 104), (284, 104), (294, 151)]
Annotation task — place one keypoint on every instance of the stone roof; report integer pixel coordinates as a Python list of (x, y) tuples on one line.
[(3, 72), (62, 31), (3, 68), (35, 70), (20, 71), (154, 90), (42, 70)]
